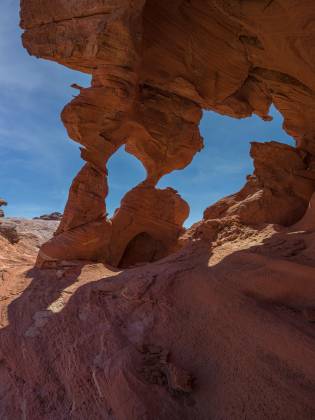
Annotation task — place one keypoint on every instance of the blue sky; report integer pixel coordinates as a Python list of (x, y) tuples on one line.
[(39, 161)]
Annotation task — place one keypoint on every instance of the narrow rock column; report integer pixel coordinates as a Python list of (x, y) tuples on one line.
[(96, 119)]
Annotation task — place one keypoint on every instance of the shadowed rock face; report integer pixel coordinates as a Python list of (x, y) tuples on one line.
[(155, 66), (224, 327)]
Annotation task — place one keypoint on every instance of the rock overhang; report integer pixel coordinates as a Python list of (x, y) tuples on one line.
[(154, 67)]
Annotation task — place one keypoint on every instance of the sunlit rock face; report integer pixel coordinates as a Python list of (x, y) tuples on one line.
[(223, 328), (155, 66), (277, 192)]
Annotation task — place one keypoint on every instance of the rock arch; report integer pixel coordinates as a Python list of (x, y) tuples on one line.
[(155, 66)]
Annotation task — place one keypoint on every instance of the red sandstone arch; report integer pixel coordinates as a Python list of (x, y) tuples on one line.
[(154, 66)]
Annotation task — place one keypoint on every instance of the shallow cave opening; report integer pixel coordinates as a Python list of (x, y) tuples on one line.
[(142, 249)]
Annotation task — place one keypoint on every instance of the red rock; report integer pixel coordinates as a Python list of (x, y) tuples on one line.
[(154, 66), (20, 239), (86, 340), (102, 343), (276, 193), (150, 216)]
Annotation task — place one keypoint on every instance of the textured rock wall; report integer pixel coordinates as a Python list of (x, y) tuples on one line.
[(155, 66), (222, 329)]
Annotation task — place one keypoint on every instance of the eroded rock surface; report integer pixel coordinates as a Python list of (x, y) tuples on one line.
[(224, 327), (20, 239), (155, 66), (221, 329)]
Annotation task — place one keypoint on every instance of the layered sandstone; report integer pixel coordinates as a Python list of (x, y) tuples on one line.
[(223, 327), (155, 66), (277, 192), (20, 240)]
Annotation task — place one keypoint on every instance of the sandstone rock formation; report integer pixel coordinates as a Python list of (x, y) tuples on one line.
[(223, 327), (277, 192), (155, 66), (20, 239)]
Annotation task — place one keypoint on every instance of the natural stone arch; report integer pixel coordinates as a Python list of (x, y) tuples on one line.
[(154, 66)]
